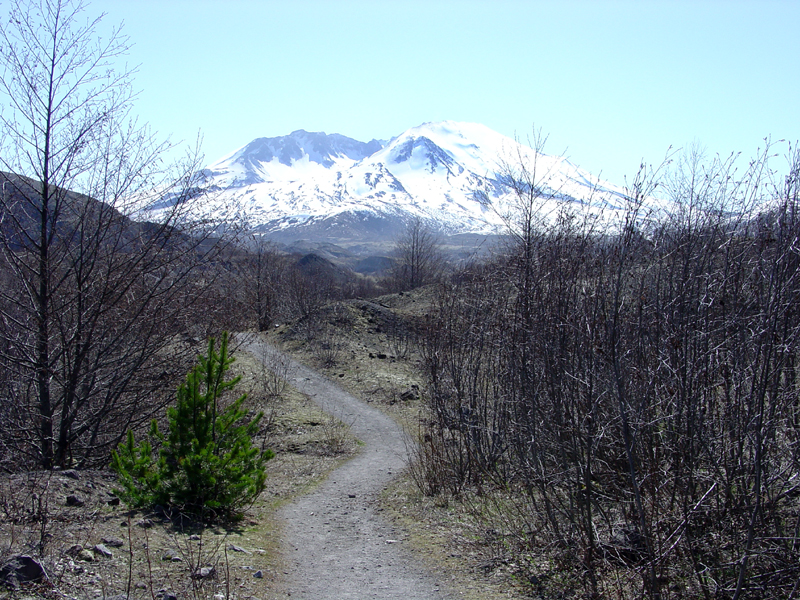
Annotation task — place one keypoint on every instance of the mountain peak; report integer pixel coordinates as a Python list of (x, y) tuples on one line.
[(253, 162), (331, 186)]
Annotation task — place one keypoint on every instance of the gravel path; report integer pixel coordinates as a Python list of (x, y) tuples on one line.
[(338, 543)]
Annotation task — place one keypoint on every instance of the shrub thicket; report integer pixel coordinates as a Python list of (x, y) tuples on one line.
[(631, 398)]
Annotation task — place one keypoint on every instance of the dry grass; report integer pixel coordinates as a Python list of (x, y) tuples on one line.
[(448, 539)]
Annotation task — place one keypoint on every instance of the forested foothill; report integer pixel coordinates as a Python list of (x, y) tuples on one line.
[(96, 335)]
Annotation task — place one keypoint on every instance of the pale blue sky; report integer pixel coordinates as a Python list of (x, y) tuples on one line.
[(610, 82)]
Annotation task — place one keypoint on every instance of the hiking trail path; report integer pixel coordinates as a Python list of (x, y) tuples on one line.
[(337, 542)]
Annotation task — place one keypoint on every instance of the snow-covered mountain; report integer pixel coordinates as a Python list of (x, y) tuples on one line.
[(331, 187)]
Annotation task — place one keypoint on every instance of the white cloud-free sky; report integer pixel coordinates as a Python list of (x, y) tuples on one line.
[(611, 82)]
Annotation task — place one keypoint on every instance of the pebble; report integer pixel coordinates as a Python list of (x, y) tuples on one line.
[(205, 573), (172, 555), (86, 556)]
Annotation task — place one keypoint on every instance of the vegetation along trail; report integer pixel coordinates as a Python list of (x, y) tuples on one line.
[(338, 543)]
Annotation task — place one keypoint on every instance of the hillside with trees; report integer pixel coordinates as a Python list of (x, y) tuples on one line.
[(102, 309)]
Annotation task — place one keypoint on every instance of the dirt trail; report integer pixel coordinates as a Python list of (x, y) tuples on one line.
[(338, 543)]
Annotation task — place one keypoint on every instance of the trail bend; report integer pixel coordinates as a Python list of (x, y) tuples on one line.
[(338, 544)]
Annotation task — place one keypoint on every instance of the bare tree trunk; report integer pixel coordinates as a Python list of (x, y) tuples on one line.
[(97, 308)]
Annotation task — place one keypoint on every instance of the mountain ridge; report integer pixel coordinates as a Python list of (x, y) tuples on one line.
[(452, 175)]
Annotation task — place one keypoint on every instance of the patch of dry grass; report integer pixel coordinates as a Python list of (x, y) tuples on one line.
[(450, 541)]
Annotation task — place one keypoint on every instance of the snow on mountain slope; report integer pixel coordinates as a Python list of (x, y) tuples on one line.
[(453, 175), (286, 156)]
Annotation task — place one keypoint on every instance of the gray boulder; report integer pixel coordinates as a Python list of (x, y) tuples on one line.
[(22, 569)]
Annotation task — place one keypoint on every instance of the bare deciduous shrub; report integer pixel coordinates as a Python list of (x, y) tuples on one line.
[(399, 337), (436, 461), (95, 309), (336, 438), (419, 260), (634, 390), (320, 330), (275, 370), (327, 348), (264, 272)]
